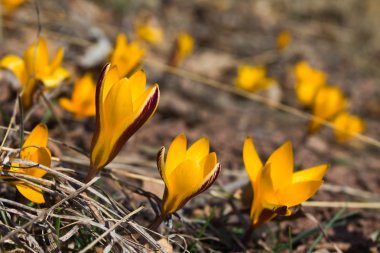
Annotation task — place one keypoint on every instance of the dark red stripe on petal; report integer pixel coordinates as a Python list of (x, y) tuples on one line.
[(97, 104), (160, 161), (147, 112)]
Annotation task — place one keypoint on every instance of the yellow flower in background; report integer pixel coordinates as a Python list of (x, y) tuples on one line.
[(35, 66), (276, 187), (82, 102), (253, 78), (35, 150), (10, 5), (126, 56), (328, 102), (149, 33), (186, 172), (123, 105), (346, 126), (284, 38), (184, 46), (308, 82)]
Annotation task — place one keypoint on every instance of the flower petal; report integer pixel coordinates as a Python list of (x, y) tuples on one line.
[(30, 192), (208, 163), (138, 82), (183, 182), (16, 65), (68, 105), (55, 78), (176, 154), (37, 138), (198, 150), (315, 173), (40, 156), (160, 160), (251, 159), (281, 163), (297, 193), (57, 60), (36, 58)]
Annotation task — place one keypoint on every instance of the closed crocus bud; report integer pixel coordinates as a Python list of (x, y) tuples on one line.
[(123, 105), (34, 149), (186, 173), (276, 187)]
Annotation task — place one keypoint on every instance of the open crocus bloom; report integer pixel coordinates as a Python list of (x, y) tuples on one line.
[(34, 150), (149, 33), (187, 172), (328, 102), (126, 56), (123, 105), (35, 66), (253, 78), (346, 126), (308, 82), (276, 187), (82, 102)]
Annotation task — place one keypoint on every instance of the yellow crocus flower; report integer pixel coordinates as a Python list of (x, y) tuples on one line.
[(276, 188), (35, 66), (149, 33), (284, 38), (10, 5), (328, 102), (34, 149), (346, 126), (186, 172), (126, 56), (184, 45), (308, 82), (253, 78), (123, 105), (82, 102)]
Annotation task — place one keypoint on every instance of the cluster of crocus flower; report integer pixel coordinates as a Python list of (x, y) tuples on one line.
[(82, 102), (126, 56), (35, 68), (276, 188), (35, 150), (183, 47), (326, 102), (253, 78)]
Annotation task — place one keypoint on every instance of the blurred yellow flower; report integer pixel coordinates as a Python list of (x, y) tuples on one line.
[(149, 33), (123, 105), (284, 38), (253, 78), (126, 56), (10, 5), (187, 172), (35, 150), (346, 126), (308, 82), (276, 187), (184, 45), (35, 66), (82, 102), (328, 102)]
